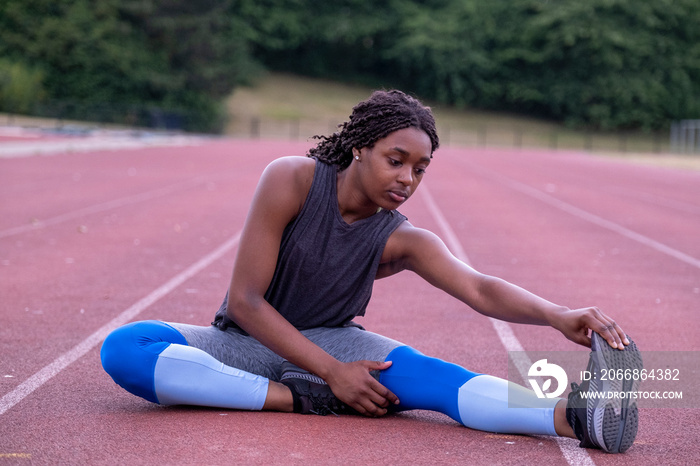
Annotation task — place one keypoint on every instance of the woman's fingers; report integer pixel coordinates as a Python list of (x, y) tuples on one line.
[(607, 328), (366, 395), (577, 324)]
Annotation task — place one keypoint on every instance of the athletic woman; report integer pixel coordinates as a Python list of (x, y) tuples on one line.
[(320, 230)]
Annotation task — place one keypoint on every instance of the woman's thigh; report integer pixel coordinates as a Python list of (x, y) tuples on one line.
[(233, 348), (349, 344), (244, 352)]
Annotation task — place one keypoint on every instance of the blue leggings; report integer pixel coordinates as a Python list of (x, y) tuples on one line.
[(130, 353), (477, 401), (153, 360)]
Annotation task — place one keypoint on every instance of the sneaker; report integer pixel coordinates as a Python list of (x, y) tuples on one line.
[(311, 393), (606, 423)]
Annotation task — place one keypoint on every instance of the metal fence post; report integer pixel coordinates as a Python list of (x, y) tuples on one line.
[(255, 128), (685, 136)]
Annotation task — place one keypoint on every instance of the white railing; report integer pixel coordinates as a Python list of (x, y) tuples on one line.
[(685, 136)]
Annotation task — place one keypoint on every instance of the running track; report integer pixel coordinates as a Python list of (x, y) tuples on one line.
[(90, 239)]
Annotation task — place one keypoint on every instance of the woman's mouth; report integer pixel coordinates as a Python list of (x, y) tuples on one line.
[(398, 196)]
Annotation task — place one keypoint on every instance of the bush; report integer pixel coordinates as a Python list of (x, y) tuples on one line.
[(176, 56), (21, 87)]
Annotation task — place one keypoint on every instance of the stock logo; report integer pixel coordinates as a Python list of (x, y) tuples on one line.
[(543, 369)]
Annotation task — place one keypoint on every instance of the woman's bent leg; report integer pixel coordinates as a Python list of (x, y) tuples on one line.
[(151, 359), (477, 401)]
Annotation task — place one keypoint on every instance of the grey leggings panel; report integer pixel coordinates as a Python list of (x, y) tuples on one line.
[(244, 352)]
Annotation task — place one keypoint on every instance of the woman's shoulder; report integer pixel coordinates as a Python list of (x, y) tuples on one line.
[(291, 167), (293, 171), (288, 180)]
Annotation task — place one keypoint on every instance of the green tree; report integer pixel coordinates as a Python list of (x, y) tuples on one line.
[(602, 63), (176, 55), (607, 63), (87, 54), (21, 87), (339, 39)]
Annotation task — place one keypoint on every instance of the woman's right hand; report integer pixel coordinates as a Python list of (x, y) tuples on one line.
[(353, 384)]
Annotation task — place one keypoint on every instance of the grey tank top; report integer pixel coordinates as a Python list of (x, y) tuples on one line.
[(326, 267)]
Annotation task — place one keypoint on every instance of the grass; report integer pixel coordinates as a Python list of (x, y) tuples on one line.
[(294, 107)]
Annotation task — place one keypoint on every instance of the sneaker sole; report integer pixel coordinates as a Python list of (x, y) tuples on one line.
[(615, 421)]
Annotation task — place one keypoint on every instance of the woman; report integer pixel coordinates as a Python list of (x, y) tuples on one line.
[(320, 230)]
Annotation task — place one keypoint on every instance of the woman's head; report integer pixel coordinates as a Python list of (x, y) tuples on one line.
[(373, 119)]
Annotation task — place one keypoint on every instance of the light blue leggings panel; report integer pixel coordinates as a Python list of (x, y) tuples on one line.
[(475, 400), (129, 355), (188, 376), (496, 405)]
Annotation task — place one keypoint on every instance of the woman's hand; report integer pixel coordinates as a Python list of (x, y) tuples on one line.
[(575, 325), (353, 384)]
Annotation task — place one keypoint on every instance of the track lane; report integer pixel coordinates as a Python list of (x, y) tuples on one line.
[(402, 307), (645, 198)]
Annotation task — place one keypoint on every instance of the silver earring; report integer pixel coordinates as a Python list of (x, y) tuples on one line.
[(357, 157)]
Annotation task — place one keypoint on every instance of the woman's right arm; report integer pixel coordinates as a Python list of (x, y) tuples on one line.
[(278, 199)]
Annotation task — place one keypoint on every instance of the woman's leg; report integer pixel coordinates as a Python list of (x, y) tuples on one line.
[(478, 401), (475, 400), (154, 360), (173, 364)]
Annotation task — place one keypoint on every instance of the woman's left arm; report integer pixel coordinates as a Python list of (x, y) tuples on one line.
[(425, 253)]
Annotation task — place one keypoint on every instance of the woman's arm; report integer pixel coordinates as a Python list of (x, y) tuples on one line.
[(278, 199), (424, 253)]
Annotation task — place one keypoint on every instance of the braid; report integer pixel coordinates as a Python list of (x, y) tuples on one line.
[(373, 119)]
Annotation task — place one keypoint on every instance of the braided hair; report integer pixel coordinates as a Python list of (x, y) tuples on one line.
[(373, 119)]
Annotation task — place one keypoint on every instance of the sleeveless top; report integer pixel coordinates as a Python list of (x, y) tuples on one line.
[(326, 267)]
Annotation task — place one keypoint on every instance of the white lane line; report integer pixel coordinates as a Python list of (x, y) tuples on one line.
[(674, 204), (450, 237), (569, 448), (97, 208), (589, 217), (45, 374)]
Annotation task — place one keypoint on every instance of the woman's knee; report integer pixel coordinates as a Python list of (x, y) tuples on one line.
[(129, 355), (424, 382)]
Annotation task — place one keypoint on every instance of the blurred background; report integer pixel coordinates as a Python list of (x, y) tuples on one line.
[(599, 75)]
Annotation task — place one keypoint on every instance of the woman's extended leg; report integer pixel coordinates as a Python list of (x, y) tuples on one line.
[(478, 401), (421, 382), (153, 360)]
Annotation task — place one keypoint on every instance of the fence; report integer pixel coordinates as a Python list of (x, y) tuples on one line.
[(129, 115), (487, 134), (685, 136)]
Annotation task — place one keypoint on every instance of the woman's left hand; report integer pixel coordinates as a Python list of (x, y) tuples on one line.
[(575, 325)]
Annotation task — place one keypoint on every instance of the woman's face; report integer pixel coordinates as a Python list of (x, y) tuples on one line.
[(394, 166)]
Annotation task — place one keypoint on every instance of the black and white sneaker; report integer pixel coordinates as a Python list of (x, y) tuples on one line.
[(311, 393), (601, 410)]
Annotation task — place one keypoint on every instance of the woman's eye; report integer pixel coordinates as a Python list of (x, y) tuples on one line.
[(395, 163)]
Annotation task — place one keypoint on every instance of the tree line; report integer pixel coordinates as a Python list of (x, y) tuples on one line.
[(610, 64)]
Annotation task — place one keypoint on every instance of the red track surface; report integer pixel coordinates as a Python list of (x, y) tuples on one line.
[(85, 236)]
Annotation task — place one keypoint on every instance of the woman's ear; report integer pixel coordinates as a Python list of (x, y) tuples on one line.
[(356, 153)]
